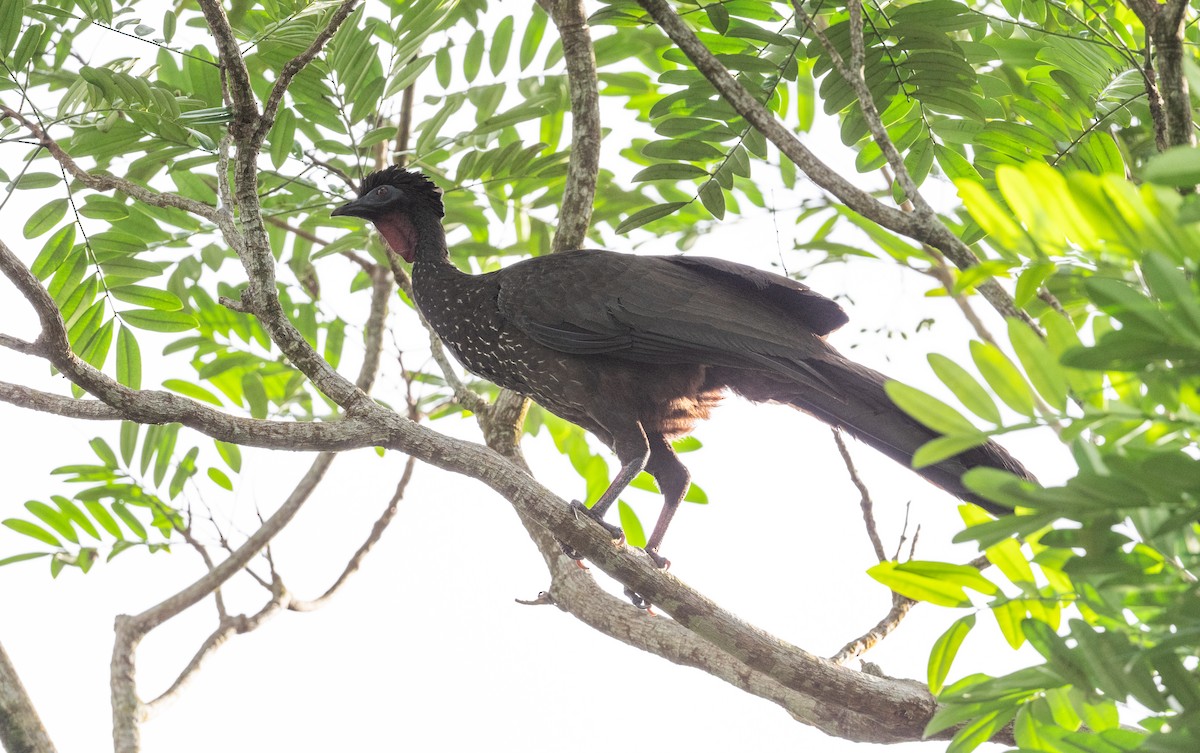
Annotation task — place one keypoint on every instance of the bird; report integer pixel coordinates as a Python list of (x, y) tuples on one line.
[(637, 349)]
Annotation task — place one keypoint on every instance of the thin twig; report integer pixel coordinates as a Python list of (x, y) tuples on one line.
[(109, 182), (377, 530), (868, 506)]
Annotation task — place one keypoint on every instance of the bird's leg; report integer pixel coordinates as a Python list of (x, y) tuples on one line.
[(633, 456), (673, 480)]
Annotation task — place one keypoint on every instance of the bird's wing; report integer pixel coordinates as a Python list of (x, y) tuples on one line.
[(663, 310)]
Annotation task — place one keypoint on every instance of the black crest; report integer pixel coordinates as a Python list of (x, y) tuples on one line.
[(416, 187)]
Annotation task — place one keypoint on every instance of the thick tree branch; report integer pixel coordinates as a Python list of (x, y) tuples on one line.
[(234, 74), (27, 397), (887, 710), (1167, 88), (575, 214), (21, 729)]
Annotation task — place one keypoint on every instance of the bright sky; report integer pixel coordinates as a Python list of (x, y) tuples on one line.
[(425, 648)]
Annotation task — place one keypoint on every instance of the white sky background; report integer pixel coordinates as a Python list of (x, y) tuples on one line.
[(425, 647)]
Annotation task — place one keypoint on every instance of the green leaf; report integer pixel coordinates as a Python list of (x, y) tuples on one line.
[(282, 136), (1030, 280), (30, 181), (718, 16), (670, 171), (954, 165), (713, 199), (256, 394), (474, 56), (1126, 304), (104, 452), (1178, 167), (193, 391), (443, 66), (979, 730), (54, 253), (28, 555), (501, 41), (1172, 287), (129, 360), (32, 530), (1007, 556), (1048, 378), (142, 295), (164, 449), (129, 437), (649, 214), (405, 77), (1009, 614), (130, 520), (53, 518), (220, 479), (928, 409), (532, 38), (335, 337), (936, 582), (11, 13), (75, 515), (635, 535), (945, 649), (158, 321), (94, 348), (101, 516), (936, 450), (231, 454), (42, 220), (1003, 377), (674, 149), (968, 391), (183, 471)]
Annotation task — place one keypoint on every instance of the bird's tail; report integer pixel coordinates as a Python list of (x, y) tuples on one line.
[(864, 410)]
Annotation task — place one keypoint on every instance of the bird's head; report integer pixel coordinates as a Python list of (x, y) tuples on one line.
[(394, 199)]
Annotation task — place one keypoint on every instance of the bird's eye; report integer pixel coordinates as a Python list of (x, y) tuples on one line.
[(381, 191)]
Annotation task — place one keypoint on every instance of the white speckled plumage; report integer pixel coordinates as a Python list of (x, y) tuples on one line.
[(637, 349)]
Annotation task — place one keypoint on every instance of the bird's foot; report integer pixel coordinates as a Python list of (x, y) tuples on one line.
[(639, 601), (661, 562), (613, 530)]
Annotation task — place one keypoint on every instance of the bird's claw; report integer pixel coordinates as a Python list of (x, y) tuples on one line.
[(613, 530), (661, 562), (571, 552), (639, 601)]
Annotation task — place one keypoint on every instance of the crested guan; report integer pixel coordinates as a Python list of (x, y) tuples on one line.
[(637, 349)]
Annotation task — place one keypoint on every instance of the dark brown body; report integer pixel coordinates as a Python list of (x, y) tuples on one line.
[(637, 349)]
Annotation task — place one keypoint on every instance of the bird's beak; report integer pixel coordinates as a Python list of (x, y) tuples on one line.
[(349, 209)]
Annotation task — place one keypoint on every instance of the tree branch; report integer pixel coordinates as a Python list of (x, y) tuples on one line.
[(109, 182), (127, 708), (226, 629), (926, 228), (21, 729), (385, 519), (575, 214), (297, 64)]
